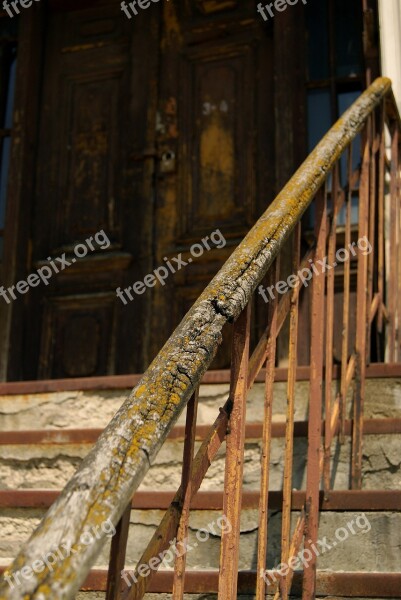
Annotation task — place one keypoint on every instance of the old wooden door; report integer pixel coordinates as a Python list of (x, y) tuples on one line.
[(93, 122), (154, 132)]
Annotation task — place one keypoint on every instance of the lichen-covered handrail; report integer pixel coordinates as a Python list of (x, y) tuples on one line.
[(108, 477)]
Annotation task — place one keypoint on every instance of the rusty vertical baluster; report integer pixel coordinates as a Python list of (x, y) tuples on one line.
[(330, 326), (186, 486), (392, 286), (289, 430), (374, 136), (315, 403), (392, 283), (346, 299), (362, 315), (398, 303), (229, 549), (118, 551), (266, 441), (380, 225)]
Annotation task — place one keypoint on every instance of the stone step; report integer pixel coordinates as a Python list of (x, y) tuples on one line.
[(202, 585), (53, 448), (65, 409), (358, 539), (44, 461)]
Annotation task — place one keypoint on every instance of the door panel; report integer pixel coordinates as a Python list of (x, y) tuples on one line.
[(82, 122), (216, 146), (216, 106), (78, 333), (94, 118)]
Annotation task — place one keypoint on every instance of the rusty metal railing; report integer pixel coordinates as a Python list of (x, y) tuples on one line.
[(334, 182)]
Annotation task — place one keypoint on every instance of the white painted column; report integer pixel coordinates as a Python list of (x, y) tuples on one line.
[(390, 48), (390, 42)]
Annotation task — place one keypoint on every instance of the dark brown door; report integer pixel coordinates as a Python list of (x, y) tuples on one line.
[(216, 120), (154, 132), (93, 121)]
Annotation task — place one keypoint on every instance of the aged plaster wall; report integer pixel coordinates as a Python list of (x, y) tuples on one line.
[(51, 466)]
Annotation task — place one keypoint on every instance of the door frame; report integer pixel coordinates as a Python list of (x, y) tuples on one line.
[(20, 184)]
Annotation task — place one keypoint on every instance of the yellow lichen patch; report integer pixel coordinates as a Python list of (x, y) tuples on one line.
[(141, 390)]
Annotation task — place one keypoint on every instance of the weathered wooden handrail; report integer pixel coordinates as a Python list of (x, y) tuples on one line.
[(108, 477)]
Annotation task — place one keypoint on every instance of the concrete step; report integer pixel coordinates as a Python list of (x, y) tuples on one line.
[(40, 447), (48, 459), (94, 408), (371, 530), (202, 585)]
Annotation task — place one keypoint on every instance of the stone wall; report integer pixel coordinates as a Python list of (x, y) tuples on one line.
[(49, 466)]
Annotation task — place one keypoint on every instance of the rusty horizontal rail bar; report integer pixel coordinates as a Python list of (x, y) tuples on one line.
[(332, 500), (253, 431), (341, 584), (110, 474), (347, 585)]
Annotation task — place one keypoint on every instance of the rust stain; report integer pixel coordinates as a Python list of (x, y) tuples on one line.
[(83, 47), (172, 130), (172, 31), (217, 164), (170, 118), (90, 150), (171, 106), (213, 6)]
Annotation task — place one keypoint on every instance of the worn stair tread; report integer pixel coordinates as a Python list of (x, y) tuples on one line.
[(343, 584)]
